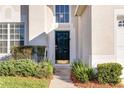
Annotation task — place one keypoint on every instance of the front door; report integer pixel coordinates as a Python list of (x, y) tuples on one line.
[(62, 47)]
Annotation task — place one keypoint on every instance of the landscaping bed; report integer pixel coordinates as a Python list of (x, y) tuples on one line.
[(106, 75), (93, 84), (23, 82)]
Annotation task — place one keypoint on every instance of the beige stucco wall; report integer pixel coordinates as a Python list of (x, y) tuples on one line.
[(73, 34), (104, 34), (37, 34), (103, 29), (10, 13), (84, 35)]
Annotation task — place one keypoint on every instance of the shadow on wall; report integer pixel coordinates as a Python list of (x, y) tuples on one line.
[(40, 40)]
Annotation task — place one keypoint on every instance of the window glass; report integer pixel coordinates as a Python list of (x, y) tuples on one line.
[(57, 8), (3, 37), (120, 23), (62, 13), (66, 17), (3, 46), (66, 8), (16, 35), (62, 8)]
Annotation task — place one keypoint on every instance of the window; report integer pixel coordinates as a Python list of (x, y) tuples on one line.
[(62, 13), (3, 38), (120, 20), (121, 23), (16, 33)]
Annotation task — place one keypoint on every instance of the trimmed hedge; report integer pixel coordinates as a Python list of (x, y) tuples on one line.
[(109, 73), (26, 67), (82, 72)]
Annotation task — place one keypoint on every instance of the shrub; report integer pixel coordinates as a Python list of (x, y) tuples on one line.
[(40, 53), (82, 72), (26, 67), (22, 52), (7, 68), (44, 69), (109, 73), (27, 52)]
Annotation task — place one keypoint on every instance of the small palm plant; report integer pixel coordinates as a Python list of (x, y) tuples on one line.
[(81, 71)]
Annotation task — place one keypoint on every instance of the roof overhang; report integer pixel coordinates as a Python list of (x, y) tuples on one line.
[(79, 10)]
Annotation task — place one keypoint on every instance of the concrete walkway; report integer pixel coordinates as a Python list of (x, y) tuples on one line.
[(61, 79)]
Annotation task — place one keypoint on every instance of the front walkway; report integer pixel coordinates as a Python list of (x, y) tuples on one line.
[(61, 79)]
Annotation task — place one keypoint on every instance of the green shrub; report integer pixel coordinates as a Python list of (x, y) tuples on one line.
[(26, 67), (40, 51), (44, 69), (7, 68), (82, 72), (109, 73)]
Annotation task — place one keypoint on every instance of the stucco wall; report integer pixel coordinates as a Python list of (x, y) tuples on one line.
[(84, 35), (10, 13), (50, 27), (73, 34), (103, 36), (103, 29), (37, 34)]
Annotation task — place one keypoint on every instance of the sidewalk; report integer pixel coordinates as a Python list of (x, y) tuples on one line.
[(61, 79)]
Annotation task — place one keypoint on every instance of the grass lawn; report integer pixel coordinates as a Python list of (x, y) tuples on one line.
[(23, 82)]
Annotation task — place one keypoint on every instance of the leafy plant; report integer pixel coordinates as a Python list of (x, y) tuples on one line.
[(25, 68), (27, 52), (82, 72), (109, 73), (44, 69), (22, 52)]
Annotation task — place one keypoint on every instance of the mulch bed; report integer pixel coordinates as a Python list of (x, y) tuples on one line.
[(93, 84)]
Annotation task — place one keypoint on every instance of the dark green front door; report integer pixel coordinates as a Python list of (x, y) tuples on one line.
[(62, 47)]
